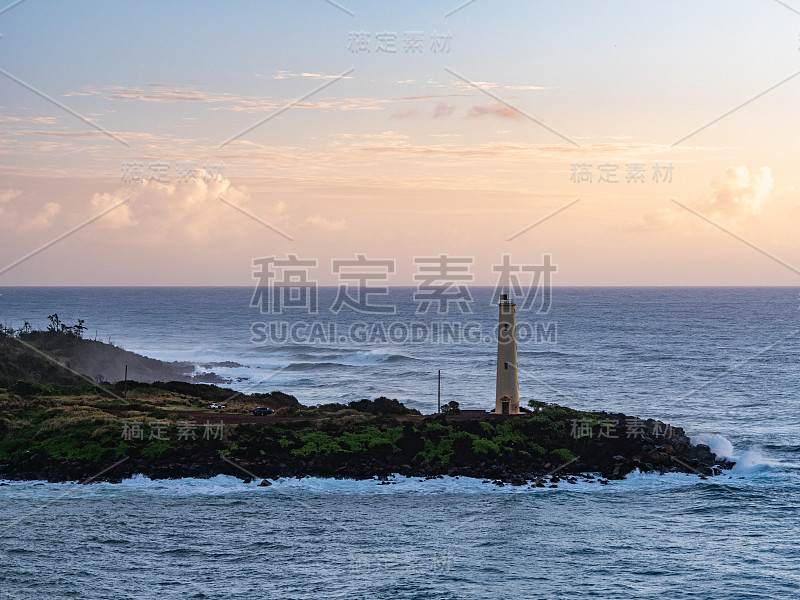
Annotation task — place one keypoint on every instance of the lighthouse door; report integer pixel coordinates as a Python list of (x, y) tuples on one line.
[(505, 407)]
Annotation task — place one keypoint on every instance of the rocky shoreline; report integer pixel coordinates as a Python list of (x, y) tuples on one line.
[(602, 459)]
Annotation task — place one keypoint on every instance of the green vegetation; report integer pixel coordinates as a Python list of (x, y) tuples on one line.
[(47, 410), (69, 422), (563, 455), (451, 408), (58, 429)]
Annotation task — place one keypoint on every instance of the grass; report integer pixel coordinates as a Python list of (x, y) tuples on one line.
[(89, 426)]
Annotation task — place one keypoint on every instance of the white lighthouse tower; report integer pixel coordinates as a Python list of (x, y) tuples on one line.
[(507, 394)]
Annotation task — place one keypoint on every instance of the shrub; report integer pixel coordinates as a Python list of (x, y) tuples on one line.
[(563, 455), (484, 446), (537, 449), (371, 438), (155, 448), (383, 406), (451, 408), (317, 442)]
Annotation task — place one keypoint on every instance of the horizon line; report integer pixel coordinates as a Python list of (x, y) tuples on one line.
[(411, 287)]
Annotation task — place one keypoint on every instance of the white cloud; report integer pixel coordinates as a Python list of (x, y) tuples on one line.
[(28, 220), (38, 120), (42, 219), (287, 74), (185, 211), (154, 92), (740, 194), (9, 194), (117, 218), (320, 223), (461, 85)]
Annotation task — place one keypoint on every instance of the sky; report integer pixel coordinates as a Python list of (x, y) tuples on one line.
[(635, 142)]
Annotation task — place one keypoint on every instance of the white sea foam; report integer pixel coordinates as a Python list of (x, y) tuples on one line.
[(225, 485), (748, 460), (377, 356), (752, 459), (719, 444)]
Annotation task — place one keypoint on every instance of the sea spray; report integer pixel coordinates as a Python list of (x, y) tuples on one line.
[(719, 444)]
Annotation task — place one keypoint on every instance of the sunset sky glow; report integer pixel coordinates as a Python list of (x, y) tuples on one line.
[(396, 131)]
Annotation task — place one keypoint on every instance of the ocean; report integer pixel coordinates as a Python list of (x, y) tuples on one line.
[(720, 362)]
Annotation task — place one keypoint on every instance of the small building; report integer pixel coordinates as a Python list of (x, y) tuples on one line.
[(473, 413)]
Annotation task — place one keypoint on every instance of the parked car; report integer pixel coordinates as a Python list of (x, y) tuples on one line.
[(260, 411), (215, 406)]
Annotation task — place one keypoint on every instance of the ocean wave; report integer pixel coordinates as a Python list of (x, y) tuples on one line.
[(753, 460), (374, 356), (322, 355), (720, 445), (313, 366), (750, 460), (286, 348), (223, 485), (357, 359), (547, 353)]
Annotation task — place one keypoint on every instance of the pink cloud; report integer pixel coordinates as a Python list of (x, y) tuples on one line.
[(495, 110)]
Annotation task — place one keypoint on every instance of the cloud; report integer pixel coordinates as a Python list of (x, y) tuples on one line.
[(427, 97), (118, 217), (184, 212), (460, 85), (6, 197), (42, 219), (95, 134), (495, 110), (401, 115), (38, 120), (287, 74), (154, 92), (162, 93), (443, 109), (386, 136), (740, 194), (320, 223), (9, 194)]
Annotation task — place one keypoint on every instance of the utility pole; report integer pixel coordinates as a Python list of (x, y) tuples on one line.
[(440, 392), (125, 393)]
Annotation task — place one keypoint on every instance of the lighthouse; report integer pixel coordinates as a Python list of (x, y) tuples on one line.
[(507, 393)]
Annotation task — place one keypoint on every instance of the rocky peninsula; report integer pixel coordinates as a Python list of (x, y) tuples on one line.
[(57, 426)]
